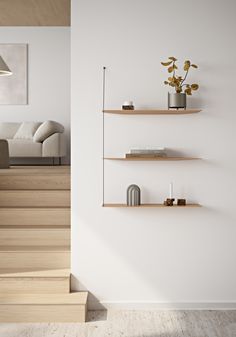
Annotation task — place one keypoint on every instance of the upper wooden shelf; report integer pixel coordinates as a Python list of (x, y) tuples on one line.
[(153, 112), (151, 158)]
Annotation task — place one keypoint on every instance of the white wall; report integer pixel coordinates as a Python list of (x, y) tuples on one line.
[(132, 257), (48, 73)]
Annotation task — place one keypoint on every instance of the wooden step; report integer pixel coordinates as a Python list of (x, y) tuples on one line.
[(28, 308), (35, 182), (34, 237), (24, 281), (34, 257), (35, 198), (33, 170), (35, 217)]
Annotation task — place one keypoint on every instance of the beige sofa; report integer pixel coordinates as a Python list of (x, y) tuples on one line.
[(34, 139)]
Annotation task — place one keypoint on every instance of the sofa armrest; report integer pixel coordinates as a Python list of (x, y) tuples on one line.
[(54, 146)]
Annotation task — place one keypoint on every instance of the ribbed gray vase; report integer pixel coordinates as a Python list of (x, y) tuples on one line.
[(177, 101), (133, 195)]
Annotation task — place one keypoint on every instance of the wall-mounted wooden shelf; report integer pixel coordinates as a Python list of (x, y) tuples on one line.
[(152, 158), (150, 206), (153, 112)]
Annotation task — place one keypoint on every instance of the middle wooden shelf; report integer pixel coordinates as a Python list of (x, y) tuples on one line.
[(151, 158)]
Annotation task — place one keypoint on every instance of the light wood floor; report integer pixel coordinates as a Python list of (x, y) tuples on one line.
[(135, 324)]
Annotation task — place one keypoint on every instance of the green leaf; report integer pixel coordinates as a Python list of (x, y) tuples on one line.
[(194, 66), (166, 63), (175, 67), (194, 86), (170, 69), (166, 82), (172, 58)]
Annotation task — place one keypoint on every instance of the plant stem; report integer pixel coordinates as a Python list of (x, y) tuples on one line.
[(186, 74), (174, 68)]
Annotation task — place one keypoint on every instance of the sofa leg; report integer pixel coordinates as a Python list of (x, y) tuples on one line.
[(59, 160), (53, 162)]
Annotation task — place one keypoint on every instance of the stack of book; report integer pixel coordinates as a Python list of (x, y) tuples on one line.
[(146, 153)]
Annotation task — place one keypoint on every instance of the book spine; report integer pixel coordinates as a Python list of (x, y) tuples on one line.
[(146, 151), (143, 155)]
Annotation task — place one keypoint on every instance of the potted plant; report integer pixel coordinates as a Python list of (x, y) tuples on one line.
[(178, 99)]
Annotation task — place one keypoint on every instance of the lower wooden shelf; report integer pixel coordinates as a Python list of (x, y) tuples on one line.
[(150, 205)]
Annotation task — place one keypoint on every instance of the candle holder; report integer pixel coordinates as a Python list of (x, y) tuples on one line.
[(181, 202), (169, 202), (128, 105)]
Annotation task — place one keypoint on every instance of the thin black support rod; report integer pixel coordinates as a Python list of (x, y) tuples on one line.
[(103, 133)]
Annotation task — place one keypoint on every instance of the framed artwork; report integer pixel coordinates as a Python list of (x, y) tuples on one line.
[(14, 88)]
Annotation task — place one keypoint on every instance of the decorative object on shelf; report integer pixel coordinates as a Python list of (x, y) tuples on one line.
[(169, 202), (181, 202), (14, 89), (146, 153), (178, 100), (128, 105), (133, 195)]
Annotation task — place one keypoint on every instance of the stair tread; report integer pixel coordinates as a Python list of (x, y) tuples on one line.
[(34, 170), (36, 208), (34, 273), (34, 249), (32, 227), (75, 298), (35, 228)]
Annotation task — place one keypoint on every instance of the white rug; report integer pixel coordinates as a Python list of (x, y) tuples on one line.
[(135, 324)]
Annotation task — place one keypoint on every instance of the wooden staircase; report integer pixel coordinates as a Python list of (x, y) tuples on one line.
[(35, 247)]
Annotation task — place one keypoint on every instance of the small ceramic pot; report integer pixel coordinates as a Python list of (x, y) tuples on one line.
[(177, 101)]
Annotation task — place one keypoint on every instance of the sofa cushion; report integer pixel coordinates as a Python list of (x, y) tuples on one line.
[(8, 130), (47, 129), (27, 130), (24, 148)]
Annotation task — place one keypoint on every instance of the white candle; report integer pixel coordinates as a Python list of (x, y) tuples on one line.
[(128, 103), (171, 190)]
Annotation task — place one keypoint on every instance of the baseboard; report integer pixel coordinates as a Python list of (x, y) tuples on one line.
[(108, 305)]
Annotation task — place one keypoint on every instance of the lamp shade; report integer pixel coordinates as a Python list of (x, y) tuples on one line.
[(4, 70)]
